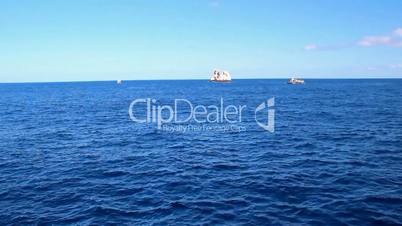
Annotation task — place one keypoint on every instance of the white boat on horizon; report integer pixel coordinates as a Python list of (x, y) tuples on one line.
[(220, 76), (295, 81)]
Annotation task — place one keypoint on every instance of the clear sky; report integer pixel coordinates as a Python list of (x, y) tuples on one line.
[(54, 40)]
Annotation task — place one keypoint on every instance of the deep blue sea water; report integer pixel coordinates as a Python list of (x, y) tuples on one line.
[(69, 154)]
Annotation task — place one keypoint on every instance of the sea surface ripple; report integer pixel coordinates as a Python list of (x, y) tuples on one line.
[(69, 154)]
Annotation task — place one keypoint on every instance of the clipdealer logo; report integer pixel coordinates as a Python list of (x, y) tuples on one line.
[(212, 117), (268, 105)]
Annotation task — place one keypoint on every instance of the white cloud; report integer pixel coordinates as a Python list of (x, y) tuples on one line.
[(311, 47), (398, 31), (375, 40), (315, 47), (395, 66), (393, 39), (214, 3)]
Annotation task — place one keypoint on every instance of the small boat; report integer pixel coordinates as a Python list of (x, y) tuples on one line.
[(119, 81), (295, 81), (221, 76)]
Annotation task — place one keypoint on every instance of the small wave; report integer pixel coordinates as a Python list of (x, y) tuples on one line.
[(115, 173)]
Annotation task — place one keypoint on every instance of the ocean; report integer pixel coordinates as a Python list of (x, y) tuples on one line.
[(70, 153)]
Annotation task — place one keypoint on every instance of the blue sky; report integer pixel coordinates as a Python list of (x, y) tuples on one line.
[(47, 40)]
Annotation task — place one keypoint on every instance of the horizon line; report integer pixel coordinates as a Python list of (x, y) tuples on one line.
[(199, 79)]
